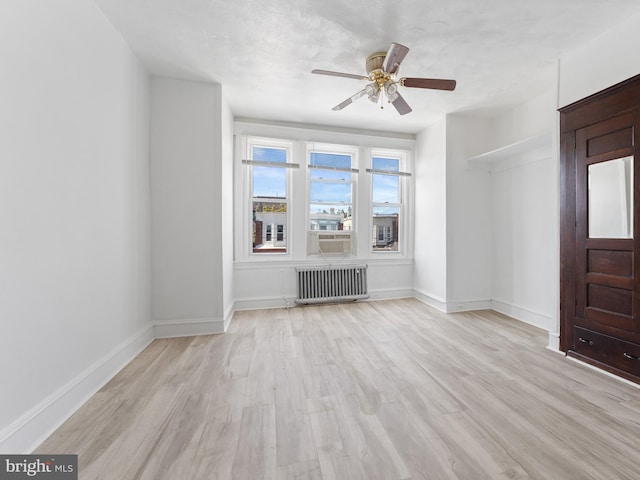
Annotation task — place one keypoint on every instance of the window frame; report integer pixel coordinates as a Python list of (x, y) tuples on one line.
[(332, 149), (297, 142), (403, 157), (273, 143)]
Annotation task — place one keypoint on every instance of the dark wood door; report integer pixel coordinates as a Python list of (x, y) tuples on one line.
[(606, 257)]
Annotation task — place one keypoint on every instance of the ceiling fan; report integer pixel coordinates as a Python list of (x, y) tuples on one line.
[(382, 71)]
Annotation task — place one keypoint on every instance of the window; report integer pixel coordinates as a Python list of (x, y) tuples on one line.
[(269, 199), (386, 201), (297, 199), (331, 189)]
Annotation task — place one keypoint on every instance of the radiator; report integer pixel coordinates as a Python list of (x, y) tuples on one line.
[(331, 283)]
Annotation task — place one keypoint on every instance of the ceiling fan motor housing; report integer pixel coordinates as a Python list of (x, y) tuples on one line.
[(375, 61)]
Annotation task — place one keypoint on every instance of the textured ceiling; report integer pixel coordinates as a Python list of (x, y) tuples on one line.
[(262, 52)]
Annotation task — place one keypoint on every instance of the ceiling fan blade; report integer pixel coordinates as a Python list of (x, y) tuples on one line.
[(434, 83), (395, 55), (401, 105), (339, 74), (350, 100)]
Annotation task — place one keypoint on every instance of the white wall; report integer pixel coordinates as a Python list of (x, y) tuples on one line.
[(524, 228), (430, 272), (226, 209), (600, 63), (529, 119), (469, 237), (525, 216), (488, 237), (187, 207), (74, 208)]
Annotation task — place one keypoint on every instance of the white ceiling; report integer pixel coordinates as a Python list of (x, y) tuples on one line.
[(262, 51)]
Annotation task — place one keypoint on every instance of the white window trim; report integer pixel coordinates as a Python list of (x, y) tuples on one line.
[(338, 149), (248, 163), (404, 174), (298, 138)]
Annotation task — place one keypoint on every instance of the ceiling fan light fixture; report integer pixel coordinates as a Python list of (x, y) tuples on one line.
[(373, 92), (391, 89)]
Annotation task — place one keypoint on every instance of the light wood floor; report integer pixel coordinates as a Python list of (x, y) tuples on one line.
[(378, 390)]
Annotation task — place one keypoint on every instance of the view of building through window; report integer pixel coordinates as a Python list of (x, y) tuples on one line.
[(386, 203)]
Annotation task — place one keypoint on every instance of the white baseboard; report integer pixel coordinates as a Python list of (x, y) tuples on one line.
[(525, 315), (431, 300), (259, 303), (390, 294), (468, 305), (554, 342), (188, 327), (32, 428), (228, 315), (450, 306), (518, 313)]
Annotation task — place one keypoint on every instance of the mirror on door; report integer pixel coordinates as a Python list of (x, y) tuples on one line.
[(610, 201)]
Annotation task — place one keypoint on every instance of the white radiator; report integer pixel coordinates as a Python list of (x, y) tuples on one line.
[(331, 283)]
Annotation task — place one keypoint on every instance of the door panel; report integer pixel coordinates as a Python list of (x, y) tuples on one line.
[(605, 286), (609, 142), (615, 300), (610, 262)]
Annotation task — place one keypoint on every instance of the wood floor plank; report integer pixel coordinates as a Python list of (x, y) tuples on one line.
[(380, 390), (215, 453), (255, 454), (294, 435), (332, 437), (309, 470)]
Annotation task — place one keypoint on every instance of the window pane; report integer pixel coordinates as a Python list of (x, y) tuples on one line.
[(330, 160), (269, 227), (385, 229), (386, 189), (269, 182), (329, 192), (329, 175), (390, 164), (343, 210), (265, 154)]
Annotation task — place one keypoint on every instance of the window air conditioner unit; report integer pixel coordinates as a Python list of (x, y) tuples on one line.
[(322, 242)]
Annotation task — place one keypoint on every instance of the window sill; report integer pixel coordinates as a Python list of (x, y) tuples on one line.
[(279, 261)]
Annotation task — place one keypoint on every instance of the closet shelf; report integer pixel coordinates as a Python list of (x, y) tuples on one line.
[(537, 144)]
